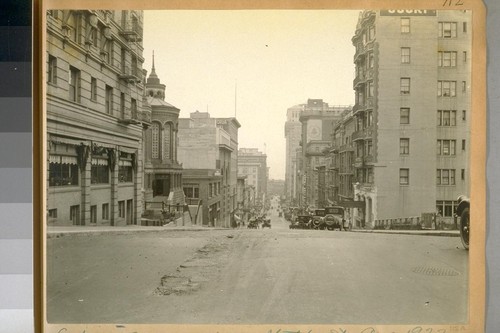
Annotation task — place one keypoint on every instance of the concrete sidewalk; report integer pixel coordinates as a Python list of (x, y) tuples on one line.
[(425, 232), (59, 231)]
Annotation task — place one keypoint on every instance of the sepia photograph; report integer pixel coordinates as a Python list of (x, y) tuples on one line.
[(245, 167)]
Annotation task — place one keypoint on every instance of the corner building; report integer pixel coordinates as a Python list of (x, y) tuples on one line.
[(95, 117), (412, 112)]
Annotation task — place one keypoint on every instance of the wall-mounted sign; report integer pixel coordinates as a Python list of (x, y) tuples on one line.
[(408, 12)]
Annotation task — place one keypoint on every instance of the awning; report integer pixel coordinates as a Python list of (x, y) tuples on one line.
[(63, 159), (74, 142), (99, 161), (127, 150), (125, 163)]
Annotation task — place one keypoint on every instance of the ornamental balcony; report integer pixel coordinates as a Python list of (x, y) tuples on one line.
[(131, 75), (132, 30), (363, 134), (358, 162)]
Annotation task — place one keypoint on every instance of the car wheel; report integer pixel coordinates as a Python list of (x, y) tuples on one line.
[(465, 228)]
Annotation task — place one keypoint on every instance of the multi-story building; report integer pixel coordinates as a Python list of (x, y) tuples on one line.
[(318, 120), (207, 150), (412, 87), (95, 117), (163, 172), (229, 164), (253, 164), (293, 133)]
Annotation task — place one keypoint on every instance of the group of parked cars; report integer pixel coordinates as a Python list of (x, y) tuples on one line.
[(329, 218)]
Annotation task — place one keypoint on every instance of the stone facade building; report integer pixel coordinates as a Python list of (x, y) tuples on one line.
[(95, 117), (318, 120), (412, 112), (253, 164), (293, 133)]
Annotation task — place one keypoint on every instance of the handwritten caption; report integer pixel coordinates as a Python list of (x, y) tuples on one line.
[(416, 329), (450, 3)]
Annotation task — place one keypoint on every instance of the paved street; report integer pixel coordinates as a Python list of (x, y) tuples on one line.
[(247, 276)]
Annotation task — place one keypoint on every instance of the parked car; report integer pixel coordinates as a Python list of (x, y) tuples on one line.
[(266, 224), (301, 222), (463, 212), (334, 218), (318, 219)]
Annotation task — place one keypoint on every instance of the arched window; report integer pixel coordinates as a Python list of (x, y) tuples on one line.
[(167, 141), (155, 140)]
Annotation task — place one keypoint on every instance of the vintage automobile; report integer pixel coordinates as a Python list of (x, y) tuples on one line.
[(318, 219), (302, 222), (334, 218), (266, 223), (462, 213)]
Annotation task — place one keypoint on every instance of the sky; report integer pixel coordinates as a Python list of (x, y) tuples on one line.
[(254, 64)]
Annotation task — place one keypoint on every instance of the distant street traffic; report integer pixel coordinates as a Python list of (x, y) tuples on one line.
[(244, 276)]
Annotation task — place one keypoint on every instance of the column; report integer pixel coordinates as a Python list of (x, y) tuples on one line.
[(113, 168), (85, 190), (138, 186)]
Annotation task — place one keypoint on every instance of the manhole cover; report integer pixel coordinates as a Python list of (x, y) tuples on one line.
[(435, 271)]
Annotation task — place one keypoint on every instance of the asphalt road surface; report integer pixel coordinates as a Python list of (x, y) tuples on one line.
[(263, 276)]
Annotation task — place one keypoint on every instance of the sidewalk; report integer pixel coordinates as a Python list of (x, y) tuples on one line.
[(56, 231), (425, 232)]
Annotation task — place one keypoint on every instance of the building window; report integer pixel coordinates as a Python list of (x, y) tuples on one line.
[(155, 140), (463, 144), (369, 147), (167, 141), (405, 55), (447, 59), (74, 214), (109, 100), (370, 88), (52, 70), (405, 85), (109, 52), (445, 177), (463, 174), (371, 60), (105, 211), (122, 105), (404, 176), (99, 172), (447, 88), (446, 208), (446, 147), (447, 29), (74, 84), (93, 214), (93, 88), (465, 27), (53, 213), (464, 86), (464, 115), (464, 55), (447, 118), (133, 108), (404, 115), (125, 171), (192, 191), (405, 25), (404, 146), (121, 208), (371, 32), (63, 170)]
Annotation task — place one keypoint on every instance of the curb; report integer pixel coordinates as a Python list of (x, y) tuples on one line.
[(414, 233), (59, 234)]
